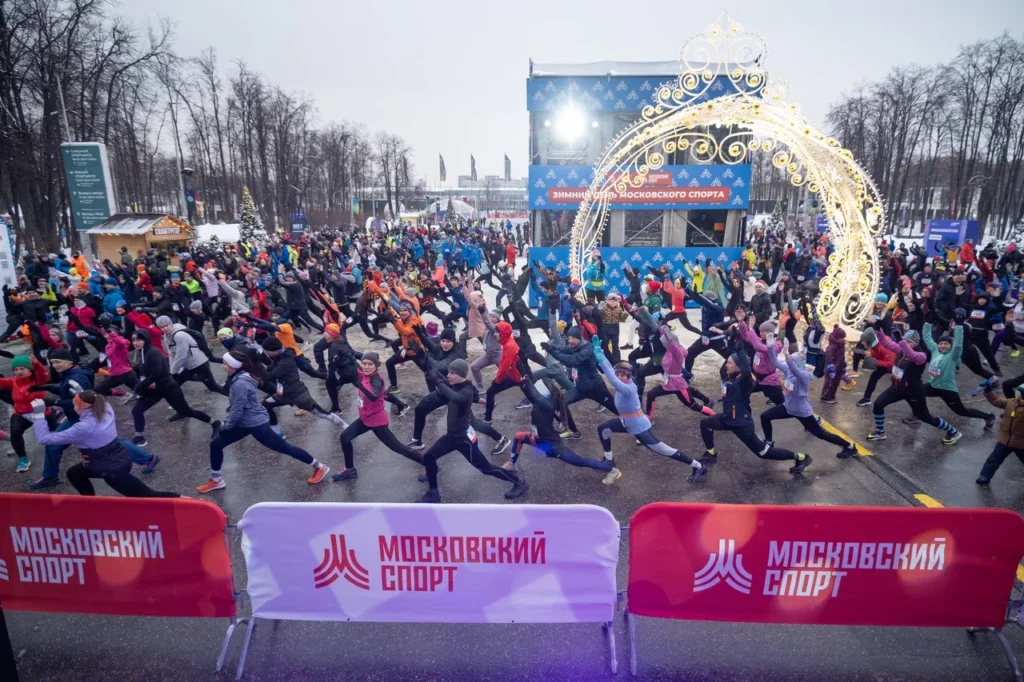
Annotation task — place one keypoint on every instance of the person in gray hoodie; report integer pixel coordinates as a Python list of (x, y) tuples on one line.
[(247, 417), (795, 404), (187, 360), (492, 346)]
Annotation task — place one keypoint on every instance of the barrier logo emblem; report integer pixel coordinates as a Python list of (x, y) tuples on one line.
[(340, 562), (725, 565)]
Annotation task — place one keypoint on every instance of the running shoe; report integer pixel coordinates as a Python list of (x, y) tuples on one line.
[(347, 474), (318, 474), (981, 480), (708, 458), (500, 446), (431, 497), (140, 441), (853, 375), (611, 477), (628, 346), (524, 404), (300, 412), (510, 466), (151, 465), (518, 490), (601, 408), (415, 444), (800, 465), (211, 485), (336, 418), (1014, 353), (848, 385), (128, 397), (422, 477), (699, 473), (402, 411), (911, 420), (955, 438), (46, 482), (864, 402), (570, 435), (847, 453), (877, 435), (833, 401), (394, 390), (990, 422)]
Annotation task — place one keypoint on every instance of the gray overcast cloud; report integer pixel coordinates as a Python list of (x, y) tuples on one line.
[(450, 76)]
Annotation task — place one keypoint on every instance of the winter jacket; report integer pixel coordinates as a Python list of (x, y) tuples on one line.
[(627, 400), (244, 408), (20, 395), (907, 367), (581, 358), (372, 392), (672, 362), (736, 398), (763, 367), (117, 354), (151, 367), (96, 439), (942, 366), (796, 385), (1011, 426), (835, 353), (477, 328), (492, 341), (183, 351), (507, 368)]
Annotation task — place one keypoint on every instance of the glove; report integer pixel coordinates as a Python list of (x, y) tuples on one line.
[(598, 353), (38, 408), (545, 346)]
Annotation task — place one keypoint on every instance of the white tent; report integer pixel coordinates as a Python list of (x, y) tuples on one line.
[(461, 207), (225, 233)]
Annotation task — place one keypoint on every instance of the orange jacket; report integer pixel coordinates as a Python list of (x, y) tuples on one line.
[(407, 331)]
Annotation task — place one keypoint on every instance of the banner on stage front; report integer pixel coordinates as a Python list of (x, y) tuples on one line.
[(114, 556), (415, 563), (824, 565)]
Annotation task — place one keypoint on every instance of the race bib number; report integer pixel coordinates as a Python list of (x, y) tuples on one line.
[(787, 386), (45, 352), (175, 307), (874, 318), (977, 314), (933, 370), (103, 357), (80, 334), (799, 278), (705, 340), (897, 373), (360, 402), (724, 390), (280, 389), (998, 327), (925, 281), (471, 433), (515, 333), (575, 375)]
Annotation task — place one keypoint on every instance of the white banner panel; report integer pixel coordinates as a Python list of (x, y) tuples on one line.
[(431, 563)]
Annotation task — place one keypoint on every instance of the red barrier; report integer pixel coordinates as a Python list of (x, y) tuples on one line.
[(824, 565), (114, 556)]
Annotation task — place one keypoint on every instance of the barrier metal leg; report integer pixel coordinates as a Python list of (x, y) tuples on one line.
[(8, 664), (631, 641), (609, 632), (245, 648), (227, 641), (1005, 643)]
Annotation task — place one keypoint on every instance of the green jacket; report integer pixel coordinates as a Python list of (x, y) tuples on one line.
[(942, 367)]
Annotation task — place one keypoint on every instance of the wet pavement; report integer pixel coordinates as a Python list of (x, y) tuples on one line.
[(912, 461)]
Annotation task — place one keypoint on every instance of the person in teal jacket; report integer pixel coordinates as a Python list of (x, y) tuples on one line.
[(594, 277), (945, 356)]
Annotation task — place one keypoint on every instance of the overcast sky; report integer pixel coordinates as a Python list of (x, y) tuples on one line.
[(450, 76)]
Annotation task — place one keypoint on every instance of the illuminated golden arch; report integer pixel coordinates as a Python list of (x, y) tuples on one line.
[(681, 119)]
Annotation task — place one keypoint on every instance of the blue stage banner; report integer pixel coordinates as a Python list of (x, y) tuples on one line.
[(606, 93), (721, 186), (638, 258)]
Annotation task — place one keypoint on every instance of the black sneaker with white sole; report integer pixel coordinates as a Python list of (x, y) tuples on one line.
[(800, 465), (698, 474), (500, 446), (415, 444)]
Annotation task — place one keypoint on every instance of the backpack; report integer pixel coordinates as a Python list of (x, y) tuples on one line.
[(200, 340)]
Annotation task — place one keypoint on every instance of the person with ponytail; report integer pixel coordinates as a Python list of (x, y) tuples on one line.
[(548, 407), (104, 455), (246, 416)]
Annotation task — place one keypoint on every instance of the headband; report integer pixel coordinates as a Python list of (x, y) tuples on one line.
[(231, 362)]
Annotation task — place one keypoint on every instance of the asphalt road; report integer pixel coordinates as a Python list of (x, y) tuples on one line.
[(912, 461)]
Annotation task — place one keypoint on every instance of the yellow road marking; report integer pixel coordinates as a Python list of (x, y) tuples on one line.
[(861, 450), (928, 501), (1020, 574)]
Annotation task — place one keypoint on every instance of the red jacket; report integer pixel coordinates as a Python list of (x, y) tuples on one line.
[(678, 296), (510, 252), (20, 394), (883, 356), (142, 321), (509, 355)]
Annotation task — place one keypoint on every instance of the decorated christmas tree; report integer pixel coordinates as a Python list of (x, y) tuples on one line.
[(449, 213), (775, 221), (250, 228)]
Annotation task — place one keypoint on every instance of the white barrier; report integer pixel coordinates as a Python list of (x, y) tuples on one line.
[(446, 564)]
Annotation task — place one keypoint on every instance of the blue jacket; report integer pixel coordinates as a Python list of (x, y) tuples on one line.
[(110, 302), (74, 380), (581, 358), (244, 408)]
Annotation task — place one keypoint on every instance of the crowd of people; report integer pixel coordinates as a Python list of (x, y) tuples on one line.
[(136, 329)]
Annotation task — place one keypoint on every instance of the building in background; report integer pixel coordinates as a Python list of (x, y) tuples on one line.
[(576, 111)]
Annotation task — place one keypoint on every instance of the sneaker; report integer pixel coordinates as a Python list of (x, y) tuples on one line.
[(128, 397), (422, 477), (518, 490), (601, 408), (336, 410), (833, 401), (848, 386), (415, 444), (11, 452), (989, 423), (863, 402), (500, 446), (431, 497), (628, 346), (847, 453), (711, 403), (877, 435), (911, 420), (611, 477), (510, 466), (708, 458), (524, 404), (336, 418), (177, 417), (800, 465), (346, 475), (570, 435), (394, 390), (699, 473), (853, 375), (41, 483), (150, 466), (300, 412), (318, 474), (981, 480), (140, 441), (402, 411), (211, 485), (1014, 354), (955, 438)]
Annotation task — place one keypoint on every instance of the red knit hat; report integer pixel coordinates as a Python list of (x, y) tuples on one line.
[(654, 286)]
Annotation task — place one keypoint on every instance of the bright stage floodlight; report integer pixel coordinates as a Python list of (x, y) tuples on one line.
[(570, 123)]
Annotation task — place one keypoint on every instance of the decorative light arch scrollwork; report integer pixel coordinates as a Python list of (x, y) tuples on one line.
[(761, 119)]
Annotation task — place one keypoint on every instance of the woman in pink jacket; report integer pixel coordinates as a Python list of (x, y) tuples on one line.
[(120, 372), (675, 382), (769, 381), (371, 388), (477, 329)]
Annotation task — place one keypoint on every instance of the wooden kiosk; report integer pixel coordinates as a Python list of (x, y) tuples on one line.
[(139, 231)]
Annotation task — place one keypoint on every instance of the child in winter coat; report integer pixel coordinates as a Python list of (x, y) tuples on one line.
[(835, 365)]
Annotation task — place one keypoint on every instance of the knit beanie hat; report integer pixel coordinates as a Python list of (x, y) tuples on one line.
[(163, 321), (574, 333), (21, 361), (459, 367), (372, 357), (767, 327), (272, 344), (226, 332), (448, 334), (333, 329)]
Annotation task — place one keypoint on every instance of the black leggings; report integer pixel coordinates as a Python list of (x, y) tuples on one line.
[(918, 406), (747, 436), (121, 481), (684, 397), (303, 317), (170, 392), (972, 360), (467, 449), (19, 425), (985, 348), (598, 393), (698, 347), (876, 374), (201, 374), (109, 382), (384, 435), (396, 360), (493, 390), (773, 393), (303, 401), (952, 400), (810, 424)]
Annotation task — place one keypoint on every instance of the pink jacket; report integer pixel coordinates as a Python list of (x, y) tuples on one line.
[(372, 412), (672, 363), (117, 354), (765, 370), (476, 321)]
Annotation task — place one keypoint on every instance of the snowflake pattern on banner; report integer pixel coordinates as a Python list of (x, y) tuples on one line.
[(542, 91)]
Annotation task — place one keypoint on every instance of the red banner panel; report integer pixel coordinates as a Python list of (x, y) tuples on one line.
[(114, 556), (824, 565)]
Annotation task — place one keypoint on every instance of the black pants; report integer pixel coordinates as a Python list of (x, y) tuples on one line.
[(451, 318), (773, 393), (599, 394), (384, 435), (121, 481), (201, 374), (985, 348), (999, 454), (610, 342), (698, 347), (170, 392), (19, 425), (433, 401), (493, 390), (684, 397), (396, 360), (304, 317), (467, 449), (915, 399), (594, 296), (972, 360), (747, 436), (810, 424), (433, 310), (303, 401), (952, 400), (876, 374), (109, 382)]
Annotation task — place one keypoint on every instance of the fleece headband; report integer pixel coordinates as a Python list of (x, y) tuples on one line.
[(232, 362)]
